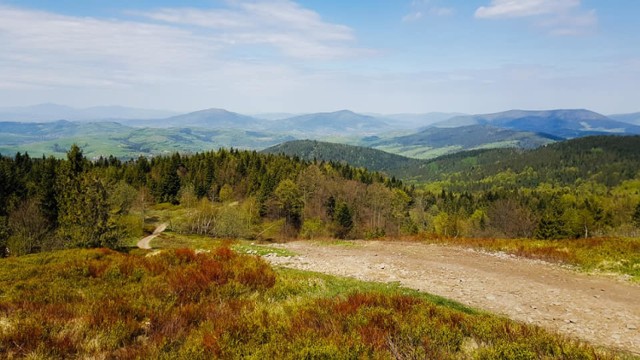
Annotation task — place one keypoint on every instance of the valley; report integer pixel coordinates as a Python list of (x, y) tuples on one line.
[(540, 229)]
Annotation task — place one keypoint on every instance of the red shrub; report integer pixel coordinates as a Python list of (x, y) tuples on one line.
[(214, 271), (96, 268), (255, 274), (224, 253), (188, 283), (185, 255)]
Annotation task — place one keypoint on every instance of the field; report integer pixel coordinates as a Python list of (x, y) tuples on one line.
[(219, 303)]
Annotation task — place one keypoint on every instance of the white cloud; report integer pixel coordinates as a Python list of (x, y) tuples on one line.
[(422, 8), (186, 55), (524, 8), (285, 25), (557, 17), (413, 16)]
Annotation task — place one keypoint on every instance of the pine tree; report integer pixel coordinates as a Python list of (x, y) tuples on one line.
[(343, 219)]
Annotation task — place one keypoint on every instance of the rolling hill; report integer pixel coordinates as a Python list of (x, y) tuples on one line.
[(342, 123), (205, 119), (358, 156), (108, 138), (605, 159), (415, 121)]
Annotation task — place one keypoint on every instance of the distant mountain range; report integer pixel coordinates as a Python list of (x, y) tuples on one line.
[(205, 119), (566, 124), (342, 122), (130, 132), (54, 112)]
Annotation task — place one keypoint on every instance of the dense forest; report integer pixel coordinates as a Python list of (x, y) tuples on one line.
[(50, 203), (580, 188)]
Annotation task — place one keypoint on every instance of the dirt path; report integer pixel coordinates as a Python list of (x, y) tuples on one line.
[(604, 311), (144, 243)]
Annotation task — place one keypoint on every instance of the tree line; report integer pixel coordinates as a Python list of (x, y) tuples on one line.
[(48, 203)]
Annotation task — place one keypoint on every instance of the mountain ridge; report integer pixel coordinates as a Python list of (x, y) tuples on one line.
[(565, 123)]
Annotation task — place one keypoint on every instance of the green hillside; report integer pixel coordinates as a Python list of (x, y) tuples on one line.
[(607, 160), (358, 156), (113, 139)]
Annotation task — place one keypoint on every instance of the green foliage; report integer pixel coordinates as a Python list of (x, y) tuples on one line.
[(85, 218), (312, 228), (28, 229), (182, 304), (343, 219), (290, 203)]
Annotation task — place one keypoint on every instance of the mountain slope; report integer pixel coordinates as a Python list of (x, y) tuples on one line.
[(415, 121), (633, 118), (342, 122), (358, 156), (561, 123), (606, 159), (206, 119)]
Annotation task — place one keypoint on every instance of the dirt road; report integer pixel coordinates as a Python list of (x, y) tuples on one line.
[(601, 310), (144, 243)]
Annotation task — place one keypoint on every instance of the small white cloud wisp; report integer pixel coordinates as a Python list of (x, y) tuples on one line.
[(556, 17)]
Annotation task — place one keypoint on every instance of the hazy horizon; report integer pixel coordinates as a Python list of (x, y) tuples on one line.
[(266, 56)]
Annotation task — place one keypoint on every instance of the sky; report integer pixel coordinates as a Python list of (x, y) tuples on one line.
[(374, 56)]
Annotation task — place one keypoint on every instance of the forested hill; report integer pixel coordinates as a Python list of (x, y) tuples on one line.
[(607, 160), (372, 159)]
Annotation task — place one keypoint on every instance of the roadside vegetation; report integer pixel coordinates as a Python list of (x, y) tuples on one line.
[(190, 304)]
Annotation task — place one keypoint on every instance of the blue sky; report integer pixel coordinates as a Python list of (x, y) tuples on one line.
[(384, 56)]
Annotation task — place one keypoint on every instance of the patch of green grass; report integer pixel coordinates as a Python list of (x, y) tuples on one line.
[(170, 240), (337, 242), (250, 248)]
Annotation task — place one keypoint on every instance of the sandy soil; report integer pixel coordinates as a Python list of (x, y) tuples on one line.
[(601, 310)]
